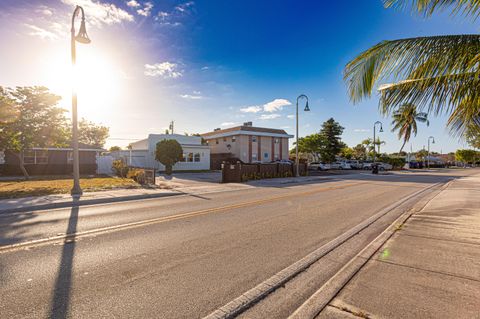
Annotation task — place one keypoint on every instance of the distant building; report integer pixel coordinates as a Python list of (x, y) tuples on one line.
[(248, 143), (142, 154)]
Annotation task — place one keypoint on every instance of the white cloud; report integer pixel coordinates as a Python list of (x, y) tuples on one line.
[(40, 32), (184, 6), (361, 130), (162, 15), (99, 13), (133, 4), (227, 124), (276, 105), (191, 97), (269, 116), (46, 11), (164, 69), (251, 109), (146, 10), (291, 116)]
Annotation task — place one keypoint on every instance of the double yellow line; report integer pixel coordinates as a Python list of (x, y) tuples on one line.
[(69, 237)]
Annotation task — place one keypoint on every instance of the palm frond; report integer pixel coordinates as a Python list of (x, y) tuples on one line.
[(413, 58), (428, 7)]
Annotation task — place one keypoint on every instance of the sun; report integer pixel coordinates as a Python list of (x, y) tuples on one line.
[(95, 79)]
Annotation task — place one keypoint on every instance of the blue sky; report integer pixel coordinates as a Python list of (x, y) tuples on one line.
[(208, 64)]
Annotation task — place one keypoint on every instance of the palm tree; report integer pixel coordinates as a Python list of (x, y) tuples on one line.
[(438, 74), (405, 121)]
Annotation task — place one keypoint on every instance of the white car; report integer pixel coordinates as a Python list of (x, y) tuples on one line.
[(345, 165), (381, 166), (317, 166)]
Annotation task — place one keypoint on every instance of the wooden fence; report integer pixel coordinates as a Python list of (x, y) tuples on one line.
[(237, 173)]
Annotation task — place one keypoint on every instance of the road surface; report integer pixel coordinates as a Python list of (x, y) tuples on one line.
[(185, 256)]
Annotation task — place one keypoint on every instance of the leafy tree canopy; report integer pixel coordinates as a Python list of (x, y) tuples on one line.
[(92, 134), (330, 134), (168, 152)]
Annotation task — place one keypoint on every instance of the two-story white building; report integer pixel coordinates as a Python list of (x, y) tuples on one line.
[(142, 153)]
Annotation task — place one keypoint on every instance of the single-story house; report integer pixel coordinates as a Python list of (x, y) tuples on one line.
[(50, 161), (196, 156), (248, 143)]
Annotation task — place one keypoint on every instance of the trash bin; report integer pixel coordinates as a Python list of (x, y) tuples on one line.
[(374, 168)]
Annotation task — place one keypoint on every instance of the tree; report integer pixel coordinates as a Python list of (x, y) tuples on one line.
[(168, 152), (472, 136), (115, 148), (439, 74), (330, 133), (92, 134), (38, 122), (378, 143), (465, 156), (360, 152), (347, 152), (310, 144), (405, 122)]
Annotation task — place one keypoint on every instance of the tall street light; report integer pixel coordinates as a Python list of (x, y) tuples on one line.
[(81, 37), (428, 152), (374, 138), (307, 109)]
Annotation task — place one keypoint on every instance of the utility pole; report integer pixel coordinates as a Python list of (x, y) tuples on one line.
[(171, 126)]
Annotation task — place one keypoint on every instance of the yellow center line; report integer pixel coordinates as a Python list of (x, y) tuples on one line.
[(163, 219)]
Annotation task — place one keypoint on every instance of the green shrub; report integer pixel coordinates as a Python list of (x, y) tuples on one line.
[(120, 168), (137, 174)]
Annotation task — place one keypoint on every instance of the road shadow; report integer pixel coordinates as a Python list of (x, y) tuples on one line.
[(63, 285)]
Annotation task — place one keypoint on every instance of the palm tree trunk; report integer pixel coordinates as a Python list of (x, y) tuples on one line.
[(403, 145)]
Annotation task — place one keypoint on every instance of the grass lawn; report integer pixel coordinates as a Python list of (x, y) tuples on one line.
[(60, 185)]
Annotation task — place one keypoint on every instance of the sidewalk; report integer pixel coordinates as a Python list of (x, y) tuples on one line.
[(430, 268)]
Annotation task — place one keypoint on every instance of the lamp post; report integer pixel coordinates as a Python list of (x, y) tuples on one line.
[(380, 131), (428, 152), (307, 109), (81, 37)]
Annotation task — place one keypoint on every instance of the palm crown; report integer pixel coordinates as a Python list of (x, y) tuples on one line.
[(438, 74), (405, 122)]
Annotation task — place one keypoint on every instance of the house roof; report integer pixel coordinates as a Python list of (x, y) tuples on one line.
[(245, 129)]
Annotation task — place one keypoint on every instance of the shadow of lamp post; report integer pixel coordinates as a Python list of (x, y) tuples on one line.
[(307, 109), (81, 37)]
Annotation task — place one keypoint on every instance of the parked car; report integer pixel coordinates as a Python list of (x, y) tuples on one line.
[(367, 165), (284, 161), (345, 165), (335, 165), (354, 164), (384, 166), (318, 166)]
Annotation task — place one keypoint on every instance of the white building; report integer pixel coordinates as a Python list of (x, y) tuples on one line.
[(195, 155)]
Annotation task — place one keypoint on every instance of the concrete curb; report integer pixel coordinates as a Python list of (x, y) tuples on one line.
[(72, 203), (257, 293), (322, 297)]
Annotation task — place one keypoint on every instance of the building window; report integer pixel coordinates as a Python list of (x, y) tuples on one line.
[(254, 157), (276, 157), (277, 140), (196, 157), (29, 157), (216, 141), (35, 157), (265, 155), (234, 139), (190, 157), (224, 139), (254, 139)]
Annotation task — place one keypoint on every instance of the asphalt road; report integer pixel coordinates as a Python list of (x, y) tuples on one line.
[(179, 257)]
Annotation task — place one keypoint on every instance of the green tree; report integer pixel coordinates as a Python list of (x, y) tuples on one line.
[(330, 133), (465, 156), (405, 122), (115, 148), (439, 74), (310, 144), (472, 136), (360, 152), (347, 152), (38, 122), (168, 152), (92, 134)]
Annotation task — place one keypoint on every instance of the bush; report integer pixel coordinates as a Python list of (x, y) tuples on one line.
[(137, 174), (120, 168), (396, 162)]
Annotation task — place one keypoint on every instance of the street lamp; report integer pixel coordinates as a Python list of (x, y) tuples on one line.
[(81, 37), (380, 131), (428, 153), (307, 109)]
